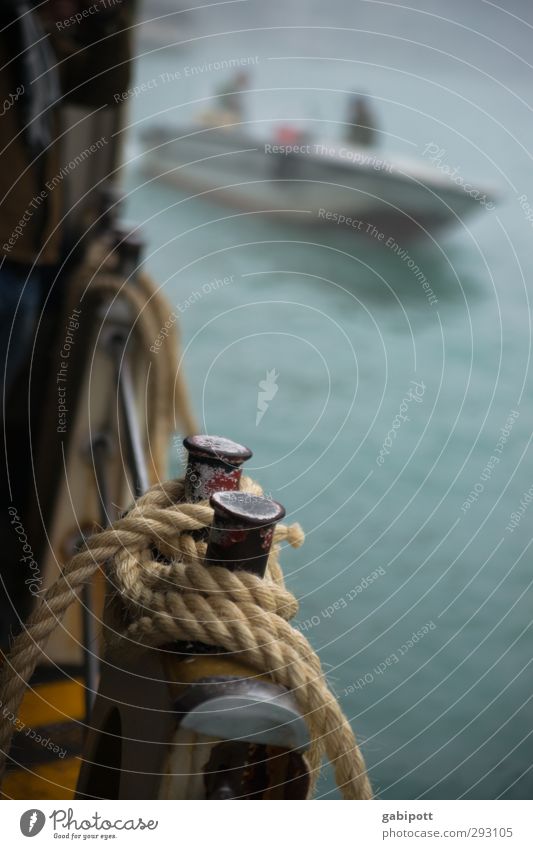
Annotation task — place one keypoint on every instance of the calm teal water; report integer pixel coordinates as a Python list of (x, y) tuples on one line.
[(347, 329)]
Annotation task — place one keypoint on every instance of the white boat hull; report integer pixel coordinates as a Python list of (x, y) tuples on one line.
[(349, 187)]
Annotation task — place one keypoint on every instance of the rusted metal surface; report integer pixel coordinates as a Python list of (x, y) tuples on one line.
[(242, 531), (249, 771), (214, 464)]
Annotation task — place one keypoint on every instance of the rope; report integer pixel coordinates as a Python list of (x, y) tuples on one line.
[(152, 603), (150, 312)]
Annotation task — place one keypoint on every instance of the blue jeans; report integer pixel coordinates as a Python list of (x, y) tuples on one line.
[(21, 292)]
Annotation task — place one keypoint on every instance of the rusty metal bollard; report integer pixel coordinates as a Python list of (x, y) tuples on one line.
[(214, 464), (242, 531)]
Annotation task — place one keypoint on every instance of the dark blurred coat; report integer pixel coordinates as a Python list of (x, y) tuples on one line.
[(93, 63)]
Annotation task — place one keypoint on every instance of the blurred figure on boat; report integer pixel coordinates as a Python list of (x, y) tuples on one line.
[(288, 137), (362, 122), (228, 107), (230, 99), (51, 54)]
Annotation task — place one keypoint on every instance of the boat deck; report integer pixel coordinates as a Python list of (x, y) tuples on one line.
[(45, 754)]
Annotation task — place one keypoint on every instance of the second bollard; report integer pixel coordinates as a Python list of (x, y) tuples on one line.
[(242, 531)]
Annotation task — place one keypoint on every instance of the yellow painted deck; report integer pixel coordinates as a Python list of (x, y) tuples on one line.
[(47, 706)]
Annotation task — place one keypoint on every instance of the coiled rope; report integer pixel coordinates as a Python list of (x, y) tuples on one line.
[(182, 599)]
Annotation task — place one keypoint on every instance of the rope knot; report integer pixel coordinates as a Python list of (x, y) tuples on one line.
[(160, 591)]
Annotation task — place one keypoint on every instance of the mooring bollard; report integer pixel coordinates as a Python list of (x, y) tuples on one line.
[(214, 464), (197, 749), (242, 531)]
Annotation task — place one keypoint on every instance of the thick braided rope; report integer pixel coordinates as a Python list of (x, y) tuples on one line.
[(182, 599)]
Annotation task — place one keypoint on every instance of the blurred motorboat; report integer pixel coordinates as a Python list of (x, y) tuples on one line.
[(358, 188)]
